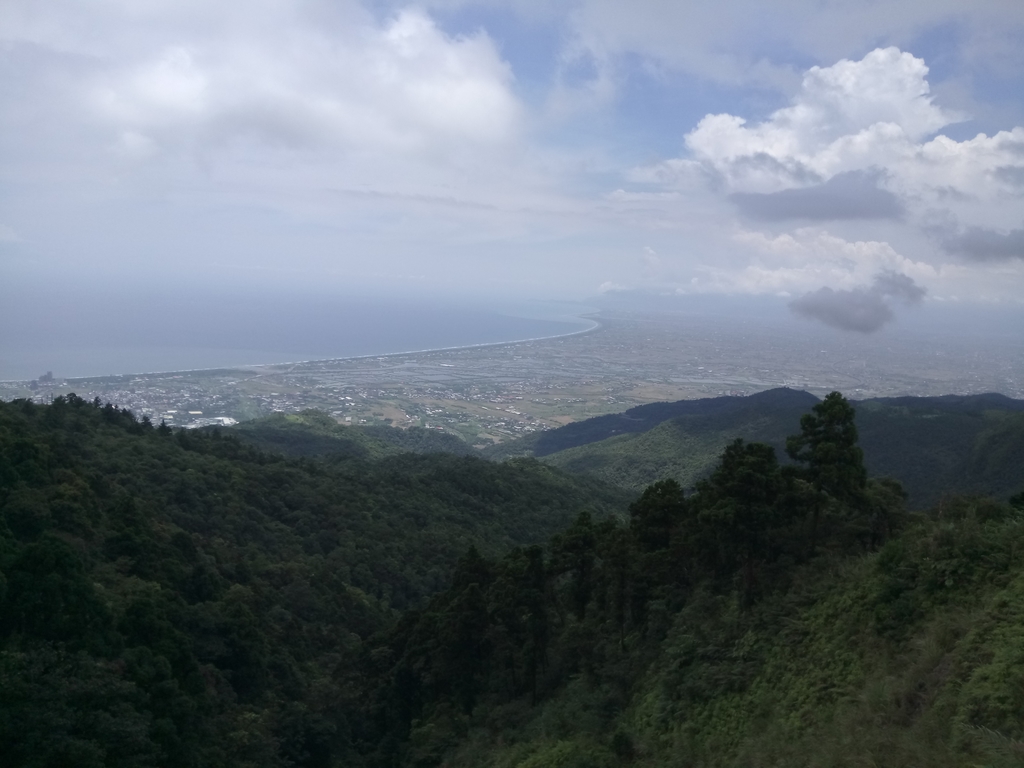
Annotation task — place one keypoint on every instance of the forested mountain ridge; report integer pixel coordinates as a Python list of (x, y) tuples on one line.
[(779, 615), (645, 417), (782, 399), (179, 599), (315, 433), (909, 655), (932, 445), (936, 446)]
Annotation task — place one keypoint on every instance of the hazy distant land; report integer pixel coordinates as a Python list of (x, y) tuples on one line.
[(491, 393)]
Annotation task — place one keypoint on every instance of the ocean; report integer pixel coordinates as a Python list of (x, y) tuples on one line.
[(82, 336)]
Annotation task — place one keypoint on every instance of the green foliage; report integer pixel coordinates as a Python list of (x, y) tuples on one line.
[(931, 445), (653, 516), (315, 433), (875, 661), (50, 598), (59, 709), (827, 447), (685, 449), (181, 598), (586, 621), (945, 445), (721, 410), (703, 633)]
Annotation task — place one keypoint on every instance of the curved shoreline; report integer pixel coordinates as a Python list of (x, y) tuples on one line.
[(596, 325)]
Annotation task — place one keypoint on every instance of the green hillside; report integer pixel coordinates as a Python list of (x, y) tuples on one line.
[(711, 410), (178, 598), (315, 433), (778, 616), (932, 445), (912, 655), (936, 446), (185, 599), (684, 448)]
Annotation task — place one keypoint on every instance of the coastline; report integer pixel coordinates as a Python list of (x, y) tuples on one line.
[(595, 325)]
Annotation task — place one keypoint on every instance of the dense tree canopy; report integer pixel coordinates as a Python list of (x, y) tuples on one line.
[(210, 591), (827, 446), (178, 599)]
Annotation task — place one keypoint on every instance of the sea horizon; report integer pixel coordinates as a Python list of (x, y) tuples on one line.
[(219, 336)]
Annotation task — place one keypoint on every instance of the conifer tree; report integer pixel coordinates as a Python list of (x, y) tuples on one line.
[(827, 447)]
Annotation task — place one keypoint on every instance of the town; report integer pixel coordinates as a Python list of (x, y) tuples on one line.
[(493, 393)]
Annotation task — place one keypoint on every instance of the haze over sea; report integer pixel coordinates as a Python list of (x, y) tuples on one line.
[(166, 332)]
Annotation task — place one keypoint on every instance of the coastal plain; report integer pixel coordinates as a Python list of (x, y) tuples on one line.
[(488, 394)]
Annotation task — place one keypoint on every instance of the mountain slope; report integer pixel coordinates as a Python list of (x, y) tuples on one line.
[(946, 444), (180, 598), (907, 656), (685, 448), (314, 433), (645, 417), (932, 445), (775, 616)]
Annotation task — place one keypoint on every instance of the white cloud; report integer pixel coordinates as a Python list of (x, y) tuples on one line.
[(859, 116), (808, 258), (850, 116), (335, 134), (405, 86), (871, 121)]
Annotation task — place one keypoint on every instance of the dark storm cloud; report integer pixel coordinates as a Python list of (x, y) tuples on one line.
[(850, 195), (864, 310), (856, 310), (898, 286), (987, 244)]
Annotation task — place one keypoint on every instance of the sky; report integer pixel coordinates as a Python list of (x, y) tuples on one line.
[(854, 159)]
